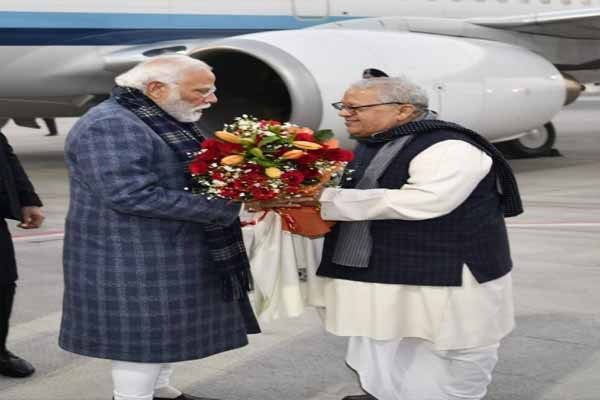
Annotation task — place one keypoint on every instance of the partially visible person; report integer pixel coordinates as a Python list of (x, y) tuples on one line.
[(51, 126), (153, 273), (32, 123), (418, 265), (18, 201)]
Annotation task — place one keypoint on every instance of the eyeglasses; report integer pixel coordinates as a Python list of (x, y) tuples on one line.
[(205, 92), (352, 109)]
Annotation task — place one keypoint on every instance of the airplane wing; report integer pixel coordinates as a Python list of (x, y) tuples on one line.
[(577, 24)]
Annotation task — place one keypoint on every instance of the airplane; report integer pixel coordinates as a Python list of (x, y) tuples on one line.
[(503, 68)]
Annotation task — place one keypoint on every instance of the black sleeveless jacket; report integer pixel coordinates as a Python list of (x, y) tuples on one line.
[(432, 252)]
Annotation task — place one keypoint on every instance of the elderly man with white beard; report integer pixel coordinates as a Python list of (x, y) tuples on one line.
[(153, 273)]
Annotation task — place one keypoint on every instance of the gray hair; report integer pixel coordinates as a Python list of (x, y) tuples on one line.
[(168, 69), (395, 89)]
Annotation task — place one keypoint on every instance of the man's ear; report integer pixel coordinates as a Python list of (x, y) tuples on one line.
[(157, 90), (406, 111)]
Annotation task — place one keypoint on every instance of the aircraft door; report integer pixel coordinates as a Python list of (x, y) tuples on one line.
[(310, 9)]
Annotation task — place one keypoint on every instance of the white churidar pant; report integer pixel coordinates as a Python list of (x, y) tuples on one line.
[(410, 369), (138, 381)]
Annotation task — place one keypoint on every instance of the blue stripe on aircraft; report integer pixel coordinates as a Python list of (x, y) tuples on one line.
[(106, 37), (17, 19), (70, 28)]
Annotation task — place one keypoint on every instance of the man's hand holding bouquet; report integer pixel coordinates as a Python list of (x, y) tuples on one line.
[(271, 165)]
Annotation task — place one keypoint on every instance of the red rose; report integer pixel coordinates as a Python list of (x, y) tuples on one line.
[(292, 178), (217, 175), (229, 148), (309, 173), (238, 185), (253, 177), (198, 167), (210, 144), (249, 167), (208, 155), (230, 193), (262, 193), (338, 155), (304, 136), (308, 159)]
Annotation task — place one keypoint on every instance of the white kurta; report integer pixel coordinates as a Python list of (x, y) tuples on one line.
[(472, 315)]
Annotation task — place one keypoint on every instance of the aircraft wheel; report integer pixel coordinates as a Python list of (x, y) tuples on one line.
[(537, 142)]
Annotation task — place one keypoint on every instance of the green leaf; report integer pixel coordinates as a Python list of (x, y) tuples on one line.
[(256, 152), (267, 140), (265, 163), (247, 142), (324, 135)]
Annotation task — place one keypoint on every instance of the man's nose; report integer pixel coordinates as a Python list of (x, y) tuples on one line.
[(212, 98), (344, 113)]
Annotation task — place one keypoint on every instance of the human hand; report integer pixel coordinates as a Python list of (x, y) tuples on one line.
[(33, 217)]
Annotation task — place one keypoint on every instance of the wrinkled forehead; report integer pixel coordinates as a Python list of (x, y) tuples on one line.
[(355, 95), (198, 78)]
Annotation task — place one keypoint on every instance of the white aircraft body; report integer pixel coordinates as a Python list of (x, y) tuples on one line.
[(496, 66)]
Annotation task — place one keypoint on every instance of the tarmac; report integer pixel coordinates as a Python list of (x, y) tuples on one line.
[(553, 354)]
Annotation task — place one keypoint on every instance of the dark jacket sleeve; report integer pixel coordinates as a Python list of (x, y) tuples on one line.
[(22, 184), (119, 170)]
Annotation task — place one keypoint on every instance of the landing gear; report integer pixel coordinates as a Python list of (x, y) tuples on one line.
[(537, 142)]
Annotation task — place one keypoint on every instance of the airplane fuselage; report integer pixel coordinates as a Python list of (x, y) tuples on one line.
[(57, 57)]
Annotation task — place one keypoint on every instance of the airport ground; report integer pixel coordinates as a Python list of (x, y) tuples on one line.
[(554, 353)]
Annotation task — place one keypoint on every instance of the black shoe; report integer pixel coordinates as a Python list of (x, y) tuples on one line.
[(13, 366), (184, 396), (360, 397)]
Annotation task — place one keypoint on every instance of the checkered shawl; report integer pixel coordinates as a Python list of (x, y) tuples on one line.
[(225, 243)]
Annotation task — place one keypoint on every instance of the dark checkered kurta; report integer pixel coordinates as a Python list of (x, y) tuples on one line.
[(138, 280)]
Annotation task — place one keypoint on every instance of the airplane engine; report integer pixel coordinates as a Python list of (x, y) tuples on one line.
[(497, 89)]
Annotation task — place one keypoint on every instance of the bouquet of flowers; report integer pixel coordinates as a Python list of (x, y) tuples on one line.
[(262, 160)]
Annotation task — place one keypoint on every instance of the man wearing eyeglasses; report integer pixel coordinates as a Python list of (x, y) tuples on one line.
[(153, 274), (418, 265)]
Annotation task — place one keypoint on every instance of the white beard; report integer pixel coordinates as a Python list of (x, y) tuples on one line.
[(181, 110)]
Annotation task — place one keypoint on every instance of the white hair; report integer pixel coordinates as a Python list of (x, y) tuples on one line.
[(394, 89), (168, 69)]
